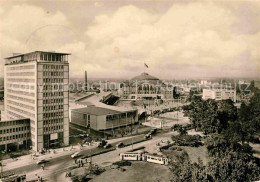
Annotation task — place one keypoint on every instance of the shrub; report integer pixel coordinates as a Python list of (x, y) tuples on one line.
[(122, 163)]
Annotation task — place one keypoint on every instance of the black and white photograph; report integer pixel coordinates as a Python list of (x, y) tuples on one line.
[(130, 90)]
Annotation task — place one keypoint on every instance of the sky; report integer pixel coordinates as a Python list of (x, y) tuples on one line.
[(113, 39)]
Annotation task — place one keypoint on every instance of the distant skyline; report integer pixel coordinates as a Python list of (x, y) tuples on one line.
[(113, 39)]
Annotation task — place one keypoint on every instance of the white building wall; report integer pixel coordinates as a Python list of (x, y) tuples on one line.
[(20, 94), (219, 94)]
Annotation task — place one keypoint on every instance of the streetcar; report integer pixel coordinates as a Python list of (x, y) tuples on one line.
[(140, 156)]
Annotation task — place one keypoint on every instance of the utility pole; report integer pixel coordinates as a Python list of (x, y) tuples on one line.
[(1, 169), (132, 138), (113, 129), (177, 111)]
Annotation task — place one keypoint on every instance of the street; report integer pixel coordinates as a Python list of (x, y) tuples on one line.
[(57, 164)]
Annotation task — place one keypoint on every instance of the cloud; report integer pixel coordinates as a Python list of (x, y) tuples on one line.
[(195, 34), (191, 39), (25, 28)]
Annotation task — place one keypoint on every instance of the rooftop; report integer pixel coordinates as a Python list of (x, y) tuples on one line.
[(98, 111), (52, 52), (144, 76)]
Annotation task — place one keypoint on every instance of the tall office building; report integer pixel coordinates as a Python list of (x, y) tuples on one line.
[(36, 87)]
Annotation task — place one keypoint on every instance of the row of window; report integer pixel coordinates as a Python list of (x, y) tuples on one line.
[(51, 73), (14, 114), (30, 87), (13, 123), (21, 80), (23, 135), (53, 57), (21, 105), (118, 116), (52, 128), (54, 67), (52, 101), (53, 80), (21, 92), (21, 111), (21, 67), (21, 98), (21, 74), (52, 121), (55, 87), (11, 130), (48, 115), (52, 94), (51, 108)]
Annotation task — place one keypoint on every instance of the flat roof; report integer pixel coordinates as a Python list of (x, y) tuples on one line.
[(98, 111), (15, 119), (18, 55)]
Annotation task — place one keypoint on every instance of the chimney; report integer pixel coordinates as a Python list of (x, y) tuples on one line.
[(86, 80)]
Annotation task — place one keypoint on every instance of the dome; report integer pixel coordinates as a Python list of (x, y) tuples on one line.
[(144, 76)]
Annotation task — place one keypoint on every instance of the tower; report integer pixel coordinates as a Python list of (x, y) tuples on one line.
[(36, 87)]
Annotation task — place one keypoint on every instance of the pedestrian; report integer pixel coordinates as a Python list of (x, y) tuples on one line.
[(75, 161)]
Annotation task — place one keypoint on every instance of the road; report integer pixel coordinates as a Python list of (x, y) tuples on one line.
[(57, 165)]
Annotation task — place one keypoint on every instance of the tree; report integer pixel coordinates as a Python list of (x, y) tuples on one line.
[(230, 160), (199, 171), (183, 170), (233, 166)]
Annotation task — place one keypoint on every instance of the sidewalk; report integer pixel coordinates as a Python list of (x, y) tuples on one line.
[(10, 164)]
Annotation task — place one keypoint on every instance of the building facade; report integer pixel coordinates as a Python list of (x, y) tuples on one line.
[(36, 87), (145, 87), (14, 133), (219, 94), (99, 118)]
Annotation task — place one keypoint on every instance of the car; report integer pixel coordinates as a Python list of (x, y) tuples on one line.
[(77, 154), (153, 131), (120, 145), (83, 135), (148, 136), (102, 143), (41, 161), (108, 145)]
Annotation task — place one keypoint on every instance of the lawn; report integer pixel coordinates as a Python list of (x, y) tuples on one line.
[(138, 172)]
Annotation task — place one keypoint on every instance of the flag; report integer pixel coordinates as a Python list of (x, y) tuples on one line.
[(145, 65)]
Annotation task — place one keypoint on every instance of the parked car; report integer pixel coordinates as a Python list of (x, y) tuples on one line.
[(148, 136), (108, 145), (77, 154), (120, 145), (102, 143), (153, 131), (41, 161)]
